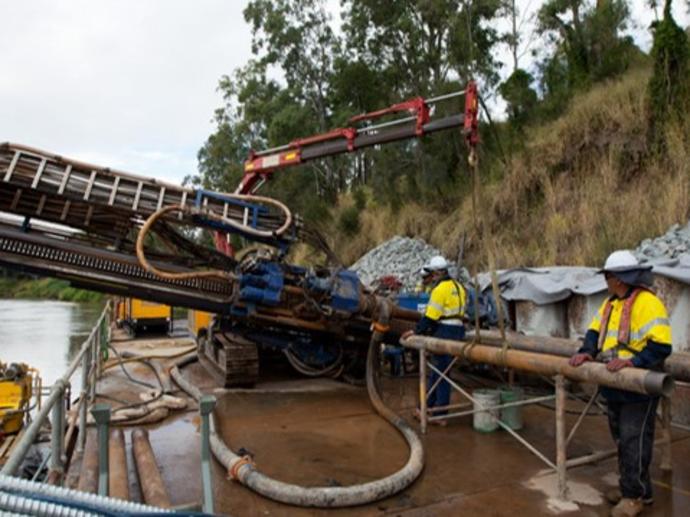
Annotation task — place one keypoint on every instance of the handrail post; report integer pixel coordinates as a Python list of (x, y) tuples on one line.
[(206, 405), (98, 349), (57, 438), (101, 414), (83, 396), (93, 357)]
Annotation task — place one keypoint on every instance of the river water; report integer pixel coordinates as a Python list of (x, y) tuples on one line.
[(45, 334)]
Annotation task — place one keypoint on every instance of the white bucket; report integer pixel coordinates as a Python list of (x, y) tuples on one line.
[(484, 421)]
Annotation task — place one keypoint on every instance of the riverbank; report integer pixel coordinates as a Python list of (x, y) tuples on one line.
[(45, 289)]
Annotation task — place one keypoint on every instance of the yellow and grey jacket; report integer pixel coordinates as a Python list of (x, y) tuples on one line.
[(634, 327), (647, 322), (446, 307)]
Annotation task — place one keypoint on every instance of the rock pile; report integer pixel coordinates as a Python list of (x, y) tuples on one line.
[(674, 243), (402, 257)]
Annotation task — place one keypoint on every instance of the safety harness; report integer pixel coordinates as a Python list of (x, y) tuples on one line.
[(624, 326)]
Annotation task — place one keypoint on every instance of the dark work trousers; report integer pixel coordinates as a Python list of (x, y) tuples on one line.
[(632, 428), (441, 395)]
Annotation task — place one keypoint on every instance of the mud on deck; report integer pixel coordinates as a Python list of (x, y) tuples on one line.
[(323, 432)]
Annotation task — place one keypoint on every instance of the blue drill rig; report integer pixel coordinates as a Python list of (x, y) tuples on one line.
[(129, 235)]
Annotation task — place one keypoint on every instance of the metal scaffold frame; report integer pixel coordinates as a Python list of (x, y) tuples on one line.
[(560, 395)]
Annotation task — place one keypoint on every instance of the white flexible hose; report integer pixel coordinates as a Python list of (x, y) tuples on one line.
[(323, 497)]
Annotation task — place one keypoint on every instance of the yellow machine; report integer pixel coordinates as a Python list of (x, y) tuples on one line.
[(16, 389), (198, 322), (141, 316)]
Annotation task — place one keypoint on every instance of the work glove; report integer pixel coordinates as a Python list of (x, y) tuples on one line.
[(407, 334), (578, 359), (618, 364)]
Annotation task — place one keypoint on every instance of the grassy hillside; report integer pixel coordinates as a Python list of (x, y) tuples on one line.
[(583, 185)]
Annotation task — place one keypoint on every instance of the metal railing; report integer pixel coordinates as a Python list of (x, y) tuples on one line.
[(90, 359)]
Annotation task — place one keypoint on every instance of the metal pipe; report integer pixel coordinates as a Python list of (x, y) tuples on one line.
[(88, 472), (83, 406), (271, 150), (101, 414), (206, 405), (677, 364), (93, 353), (97, 339), (422, 391), (581, 417), (72, 425), (459, 405), (434, 100), (150, 479), (597, 456), (666, 463), (66, 496), (57, 436), (390, 123), (561, 453), (630, 379), (525, 402), (118, 483), (591, 458), (439, 379)]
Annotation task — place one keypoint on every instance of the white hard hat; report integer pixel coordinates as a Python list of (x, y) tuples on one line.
[(437, 263), (620, 261)]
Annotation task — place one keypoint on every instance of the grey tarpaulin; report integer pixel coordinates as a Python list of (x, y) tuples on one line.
[(553, 284)]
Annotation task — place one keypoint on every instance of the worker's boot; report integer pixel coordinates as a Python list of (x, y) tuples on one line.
[(614, 496), (627, 508)]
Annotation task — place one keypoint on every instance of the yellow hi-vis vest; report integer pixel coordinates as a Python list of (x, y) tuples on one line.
[(648, 321), (447, 302)]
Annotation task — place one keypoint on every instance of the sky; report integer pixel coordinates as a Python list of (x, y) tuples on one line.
[(131, 84)]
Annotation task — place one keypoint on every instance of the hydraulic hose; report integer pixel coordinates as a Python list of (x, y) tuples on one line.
[(267, 234), (167, 275), (310, 371), (244, 471)]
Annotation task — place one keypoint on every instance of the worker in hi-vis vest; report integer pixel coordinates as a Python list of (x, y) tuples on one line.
[(631, 329), (443, 318)]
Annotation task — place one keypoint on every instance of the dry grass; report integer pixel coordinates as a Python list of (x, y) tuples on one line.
[(584, 187)]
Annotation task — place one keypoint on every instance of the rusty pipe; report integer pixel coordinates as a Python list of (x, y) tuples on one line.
[(118, 483), (629, 379), (152, 486), (88, 472), (677, 364)]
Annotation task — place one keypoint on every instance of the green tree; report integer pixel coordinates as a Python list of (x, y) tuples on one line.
[(421, 48), (584, 44), (669, 85), (521, 97), (294, 39)]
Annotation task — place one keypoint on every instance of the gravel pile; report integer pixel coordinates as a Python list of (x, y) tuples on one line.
[(674, 243), (399, 256)]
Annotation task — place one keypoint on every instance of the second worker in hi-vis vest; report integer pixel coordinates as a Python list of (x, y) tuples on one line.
[(631, 329), (443, 318)]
